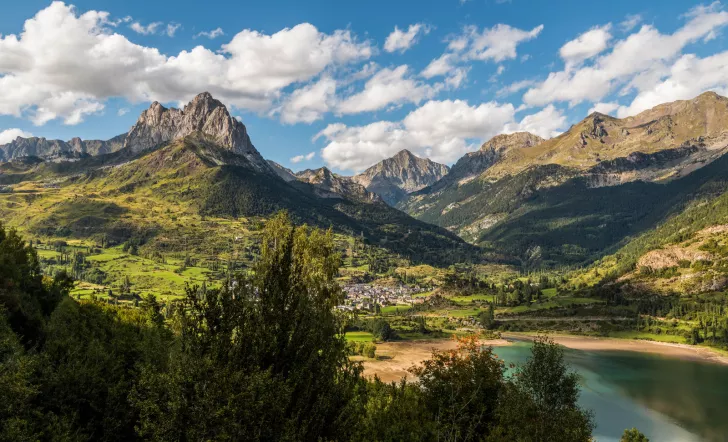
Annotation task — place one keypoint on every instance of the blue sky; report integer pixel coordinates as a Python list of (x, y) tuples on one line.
[(332, 83)]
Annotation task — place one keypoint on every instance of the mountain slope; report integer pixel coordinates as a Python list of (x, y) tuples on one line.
[(118, 198), (585, 193), (404, 173)]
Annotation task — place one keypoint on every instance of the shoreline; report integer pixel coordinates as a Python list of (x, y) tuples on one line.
[(595, 343), (395, 358)]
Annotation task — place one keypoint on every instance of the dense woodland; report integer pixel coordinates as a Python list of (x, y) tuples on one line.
[(262, 358)]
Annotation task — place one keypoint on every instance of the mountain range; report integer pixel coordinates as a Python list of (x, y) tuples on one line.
[(591, 191), (201, 160)]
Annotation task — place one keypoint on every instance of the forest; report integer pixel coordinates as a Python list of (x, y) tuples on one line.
[(261, 358)]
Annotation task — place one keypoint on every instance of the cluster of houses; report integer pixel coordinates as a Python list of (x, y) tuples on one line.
[(366, 297)]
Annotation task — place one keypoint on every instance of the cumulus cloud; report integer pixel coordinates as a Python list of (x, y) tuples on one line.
[(440, 130), (604, 108), (309, 103), (495, 44), (400, 40), (217, 32), (688, 77), (388, 87), (638, 62), (8, 135), (547, 123), (65, 65), (587, 45), (122, 111), (298, 158)]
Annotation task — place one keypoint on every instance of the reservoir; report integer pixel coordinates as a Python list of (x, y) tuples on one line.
[(668, 399)]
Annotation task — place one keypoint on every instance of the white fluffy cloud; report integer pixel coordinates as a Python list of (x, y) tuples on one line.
[(388, 87), (400, 40), (309, 103), (587, 45), (8, 135), (547, 123), (604, 108), (440, 130), (64, 65), (497, 43), (298, 158), (688, 77), (217, 32), (637, 62)]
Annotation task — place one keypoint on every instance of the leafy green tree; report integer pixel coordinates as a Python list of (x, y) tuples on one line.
[(633, 435), (461, 390), (263, 357), (394, 412)]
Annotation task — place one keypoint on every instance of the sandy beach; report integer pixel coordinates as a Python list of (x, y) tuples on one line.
[(394, 358), (682, 351)]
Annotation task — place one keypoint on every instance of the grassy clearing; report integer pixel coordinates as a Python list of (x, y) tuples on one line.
[(629, 334), (359, 336)]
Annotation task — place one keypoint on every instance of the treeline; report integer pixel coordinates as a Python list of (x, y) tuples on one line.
[(262, 358)]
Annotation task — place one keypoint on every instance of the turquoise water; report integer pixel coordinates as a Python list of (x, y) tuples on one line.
[(667, 399)]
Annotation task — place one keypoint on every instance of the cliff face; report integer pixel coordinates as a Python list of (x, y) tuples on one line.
[(204, 114), (400, 175)]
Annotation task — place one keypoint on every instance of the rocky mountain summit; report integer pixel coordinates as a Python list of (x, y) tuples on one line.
[(155, 126), (331, 185), (400, 175), (204, 114)]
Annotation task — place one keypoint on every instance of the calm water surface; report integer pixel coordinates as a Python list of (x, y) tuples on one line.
[(667, 399)]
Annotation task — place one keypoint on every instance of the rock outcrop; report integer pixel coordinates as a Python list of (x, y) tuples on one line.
[(331, 185), (404, 173)]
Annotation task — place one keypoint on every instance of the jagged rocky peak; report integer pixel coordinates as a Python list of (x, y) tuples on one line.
[(204, 114), (404, 173), (504, 142)]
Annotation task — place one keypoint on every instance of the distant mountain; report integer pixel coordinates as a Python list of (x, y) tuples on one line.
[(576, 196), (57, 149), (404, 173), (331, 185)]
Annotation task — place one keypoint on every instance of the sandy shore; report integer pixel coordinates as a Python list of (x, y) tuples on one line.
[(394, 358), (681, 351)]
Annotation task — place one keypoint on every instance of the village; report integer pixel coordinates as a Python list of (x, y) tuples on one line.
[(366, 297)]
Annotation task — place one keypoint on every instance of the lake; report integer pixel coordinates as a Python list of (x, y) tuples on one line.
[(667, 399)]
